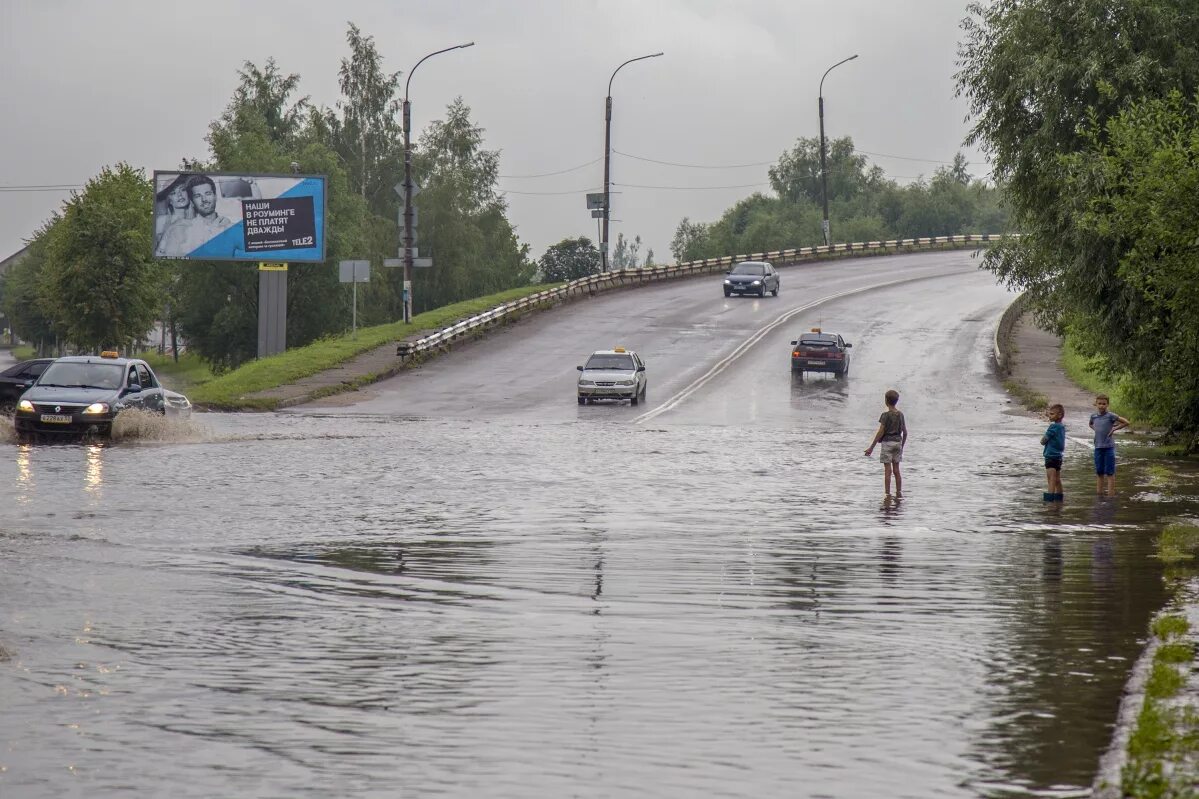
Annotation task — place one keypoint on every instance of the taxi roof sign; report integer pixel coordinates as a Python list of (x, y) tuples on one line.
[(618, 349), (110, 354)]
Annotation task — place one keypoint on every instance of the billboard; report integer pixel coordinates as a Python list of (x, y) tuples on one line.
[(220, 216)]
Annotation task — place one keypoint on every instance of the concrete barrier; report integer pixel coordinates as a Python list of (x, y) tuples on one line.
[(645, 275), (1003, 334)]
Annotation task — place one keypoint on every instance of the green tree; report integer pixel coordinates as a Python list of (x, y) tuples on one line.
[(796, 176), (570, 259), (463, 224), (105, 287), (690, 241), (24, 303)]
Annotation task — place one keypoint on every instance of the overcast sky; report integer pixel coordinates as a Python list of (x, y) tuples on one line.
[(87, 84)]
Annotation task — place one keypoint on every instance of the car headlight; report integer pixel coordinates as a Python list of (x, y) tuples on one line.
[(728, 282), (97, 407), (757, 283), (25, 405), (626, 382), (586, 382)]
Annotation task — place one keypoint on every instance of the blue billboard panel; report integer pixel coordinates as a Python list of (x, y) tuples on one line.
[(219, 216)]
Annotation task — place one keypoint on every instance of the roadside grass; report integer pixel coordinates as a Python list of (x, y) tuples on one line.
[(23, 352), (183, 375), (1087, 373), (1028, 397), (229, 391), (1165, 739)]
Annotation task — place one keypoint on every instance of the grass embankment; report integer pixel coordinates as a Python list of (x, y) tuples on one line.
[(230, 390), (1163, 750), (1088, 373), (1029, 397)]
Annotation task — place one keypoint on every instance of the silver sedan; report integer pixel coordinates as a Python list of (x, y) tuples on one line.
[(612, 374)]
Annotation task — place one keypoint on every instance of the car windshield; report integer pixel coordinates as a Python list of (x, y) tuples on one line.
[(749, 269), (79, 374), (611, 361), (816, 340)]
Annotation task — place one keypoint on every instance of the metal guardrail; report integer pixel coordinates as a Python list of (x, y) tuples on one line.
[(596, 284)]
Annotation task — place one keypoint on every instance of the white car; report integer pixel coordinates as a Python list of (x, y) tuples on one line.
[(612, 374)]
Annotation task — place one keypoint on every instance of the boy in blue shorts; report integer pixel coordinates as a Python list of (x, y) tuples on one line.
[(1054, 442), (1105, 423)]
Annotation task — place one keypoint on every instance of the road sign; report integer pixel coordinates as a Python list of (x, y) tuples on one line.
[(412, 250), (422, 263), (354, 271), (597, 214), (595, 201), (392, 263), (415, 216), (399, 188), (263, 266)]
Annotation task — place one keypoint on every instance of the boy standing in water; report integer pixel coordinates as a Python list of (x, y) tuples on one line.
[(891, 436), (1105, 423), (1054, 442)]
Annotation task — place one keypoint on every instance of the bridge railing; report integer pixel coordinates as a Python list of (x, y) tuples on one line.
[(644, 275)]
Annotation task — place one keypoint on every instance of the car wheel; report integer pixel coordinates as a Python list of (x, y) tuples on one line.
[(762, 291), (633, 400), (777, 287), (582, 400), (728, 293)]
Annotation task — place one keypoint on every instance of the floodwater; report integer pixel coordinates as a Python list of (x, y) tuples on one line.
[(276, 605)]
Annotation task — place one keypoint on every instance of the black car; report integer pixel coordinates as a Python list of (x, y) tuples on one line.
[(817, 351), (81, 395), (15, 379), (751, 277)]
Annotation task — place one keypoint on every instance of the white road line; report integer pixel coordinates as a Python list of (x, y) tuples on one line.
[(758, 335)]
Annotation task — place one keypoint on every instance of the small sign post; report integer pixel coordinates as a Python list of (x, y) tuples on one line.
[(354, 272)]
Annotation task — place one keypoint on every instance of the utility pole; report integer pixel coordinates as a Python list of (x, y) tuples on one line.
[(608, 159)]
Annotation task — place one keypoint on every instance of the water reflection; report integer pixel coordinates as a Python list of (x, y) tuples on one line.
[(25, 484), (94, 476)]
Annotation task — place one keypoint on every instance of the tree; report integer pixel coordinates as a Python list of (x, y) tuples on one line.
[(626, 253), (24, 305), (570, 259), (462, 217), (368, 135), (104, 286), (690, 241), (796, 176)]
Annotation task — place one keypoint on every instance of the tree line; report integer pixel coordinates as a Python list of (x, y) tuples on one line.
[(864, 205), (1096, 137)]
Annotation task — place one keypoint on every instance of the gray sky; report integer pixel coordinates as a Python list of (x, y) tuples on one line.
[(88, 84)]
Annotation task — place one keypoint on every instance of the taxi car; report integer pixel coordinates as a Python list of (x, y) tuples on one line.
[(612, 374), (82, 394), (817, 351)]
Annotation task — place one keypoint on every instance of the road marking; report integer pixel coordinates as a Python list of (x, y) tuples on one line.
[(758, 335)]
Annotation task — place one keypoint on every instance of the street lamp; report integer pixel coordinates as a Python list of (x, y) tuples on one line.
[(608, 154), (823, 168), (408, 213)]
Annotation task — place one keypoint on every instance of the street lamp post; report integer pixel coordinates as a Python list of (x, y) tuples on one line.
[(608, 155), (407, 243), (823, 168)]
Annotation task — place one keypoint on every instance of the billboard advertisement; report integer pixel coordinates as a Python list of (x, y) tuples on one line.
[(219, 216)]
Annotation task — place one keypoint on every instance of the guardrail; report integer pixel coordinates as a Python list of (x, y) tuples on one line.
[(639, 276), (1003, 334)]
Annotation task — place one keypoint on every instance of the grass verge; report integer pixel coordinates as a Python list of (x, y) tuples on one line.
[(1165, 740), (229, 391), (1029, 397), (1178, 543), (1087, 372)]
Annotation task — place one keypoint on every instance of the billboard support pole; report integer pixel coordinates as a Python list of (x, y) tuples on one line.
[(272, 312), (407, 243)]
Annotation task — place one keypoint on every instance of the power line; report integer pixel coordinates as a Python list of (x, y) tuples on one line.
[(694, 166), (692, 188), (44, 187), (548, 193), (559, 172), (903, 157)]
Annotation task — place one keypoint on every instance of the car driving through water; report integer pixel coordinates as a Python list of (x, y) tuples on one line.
[(612, 374), (817, 351), (751, 277), (82, 395)]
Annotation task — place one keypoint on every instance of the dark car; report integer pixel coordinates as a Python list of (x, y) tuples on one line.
[(817, 351), (15, 379), (751, 277), (81, 395)]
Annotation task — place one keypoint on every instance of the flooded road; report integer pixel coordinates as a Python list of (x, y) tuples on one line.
[(404, 597)]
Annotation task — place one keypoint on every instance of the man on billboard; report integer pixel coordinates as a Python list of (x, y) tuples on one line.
[(184, 235)]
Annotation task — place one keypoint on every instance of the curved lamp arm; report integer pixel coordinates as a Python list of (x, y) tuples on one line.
[(830, 69), (631, 60), (430, 55)]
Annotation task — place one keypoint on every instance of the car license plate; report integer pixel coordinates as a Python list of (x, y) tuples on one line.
[(55, 418), (815, 363)]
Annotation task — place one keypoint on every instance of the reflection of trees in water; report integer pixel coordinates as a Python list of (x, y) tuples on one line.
[(1073, 632)]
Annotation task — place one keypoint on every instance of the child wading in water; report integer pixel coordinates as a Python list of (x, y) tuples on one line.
[(891, 436), (1054, 442), (1105, 423)]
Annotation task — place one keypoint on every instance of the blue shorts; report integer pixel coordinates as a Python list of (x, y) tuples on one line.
[(1105, 461)]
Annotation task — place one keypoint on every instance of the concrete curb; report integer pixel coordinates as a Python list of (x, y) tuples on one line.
[(1001, 343)]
